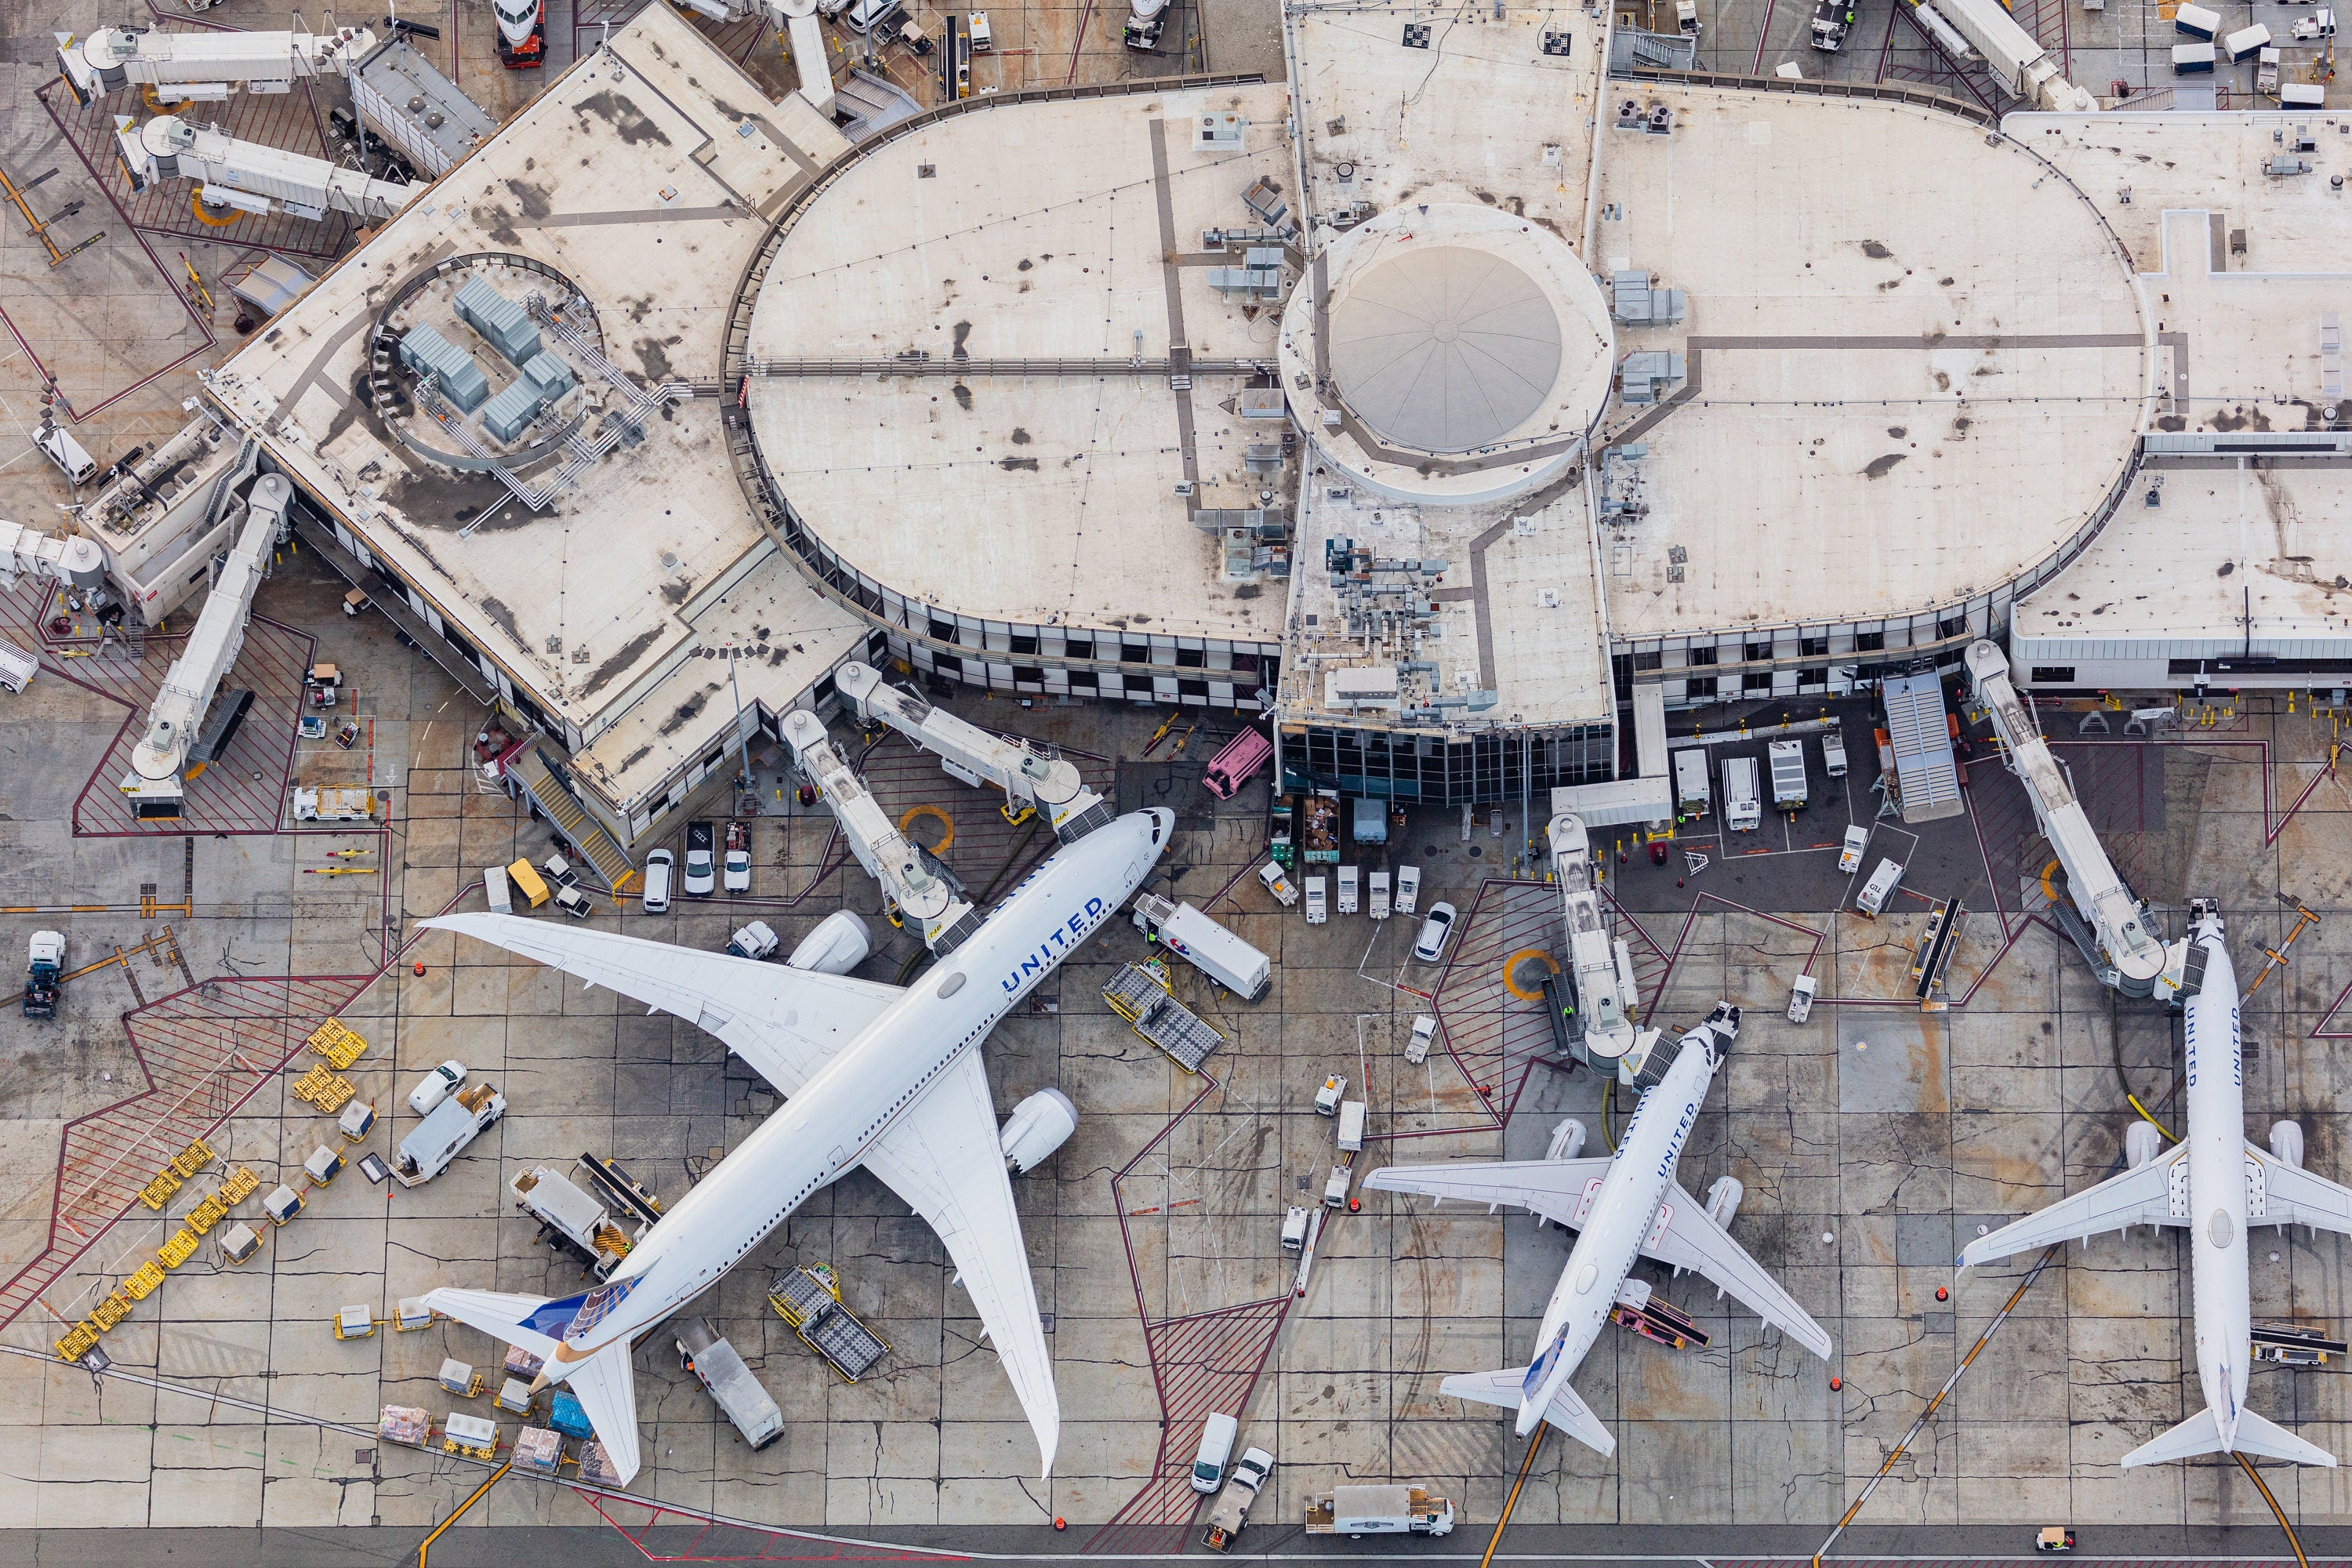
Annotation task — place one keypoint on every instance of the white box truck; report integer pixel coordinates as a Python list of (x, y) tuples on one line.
[(1352, 1126), (17, 668), (426, 1152), (1205, 945), (1690, 794), (334, 803), (1788, 760), (1743, 809), (719, 1369), (1353, 1511)]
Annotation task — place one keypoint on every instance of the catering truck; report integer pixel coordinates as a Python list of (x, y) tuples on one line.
[(438, 1140), (1206, 945), (1354, 1511)]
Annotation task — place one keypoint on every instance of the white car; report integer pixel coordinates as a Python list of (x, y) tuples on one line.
[(1327, 1098), (436, 1087), (1435, 931), (735, 873), (699, 880)]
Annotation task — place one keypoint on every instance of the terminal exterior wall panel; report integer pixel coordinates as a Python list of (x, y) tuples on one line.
[(1498, 764)]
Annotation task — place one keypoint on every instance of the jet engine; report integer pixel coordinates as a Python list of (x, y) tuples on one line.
[(2141, 1142), (2287, 1143), (839, 946), (1723, 1200), (1567, 1140), (1038, 1125)]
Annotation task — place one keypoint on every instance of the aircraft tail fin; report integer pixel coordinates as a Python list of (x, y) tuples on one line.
[(502, 1316), (604, 1382), (606, 1386), (2201, 1434), (2269, 1440)]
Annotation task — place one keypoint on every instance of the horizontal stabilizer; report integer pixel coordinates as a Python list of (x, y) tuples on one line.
[(2201, 1434), (1567, 1412), (497, 1313), (2271, 1441)]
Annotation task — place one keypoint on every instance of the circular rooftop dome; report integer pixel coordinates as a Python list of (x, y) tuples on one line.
[(1443, 348)]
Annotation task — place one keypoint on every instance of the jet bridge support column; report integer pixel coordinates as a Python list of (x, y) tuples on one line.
[(919, 893), (2107, 921), (1030, 782)]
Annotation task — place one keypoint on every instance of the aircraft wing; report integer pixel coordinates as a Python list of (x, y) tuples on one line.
[(1686, 1236), (786, 1023), (1559, 1190), (2289, 1195), (2141, 1195), (944, 1157)]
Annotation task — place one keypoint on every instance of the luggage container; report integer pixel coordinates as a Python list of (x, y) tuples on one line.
[(2246, 41), (1318, 909), (1833, 754), (470, 1436), (1408, 889), (2197, 22), (1743, 810), (356, 1321), (522, 1364), (1349, 887), (323, 1166), (2192, 59), (411, 1316), (282, 1205), (596, 1468), (1873, 899), (513, 1397), (538, 1450), (239, 1243), (1692, 796), (567, 1416), (1378, 881), (459, 1378), (406, 1424), (357, 1121)]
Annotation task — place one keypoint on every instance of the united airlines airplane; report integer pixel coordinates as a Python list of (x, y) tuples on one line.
[(1626, 1207), (874, 1074), (2215, 1184)]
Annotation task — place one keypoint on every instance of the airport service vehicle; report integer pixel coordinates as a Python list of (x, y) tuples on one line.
[(1235, 764), (522, 33), (1277, 884), (659, 867), (1205, 945), (1801, 998), (1424, 1032), (1743, 811), (17, 668), (2054, 1538), (700, 881), (1833, 19), (529, 883), (1624, 1207), (720, 1370), (881, 1075), (1327, 1097), (570, 1218), (1352, 1113), (573, 902), (436, 1087), (1435, 931), (497, 890), (46, 961), (1849, 854), (1788, 761), (1318, 907), (1216, 1446), (1833, 754), (1355, 1511), (1408, 889), (1295, 1222), (426, 1152), (756, 940), (1225, 1519), (559, 872), (984, 38), (1350, 884), (2214, 1182), (1376, 887), (334, 804), (736, 877), (1335, 1191), (1873, 899), (1692, 796)]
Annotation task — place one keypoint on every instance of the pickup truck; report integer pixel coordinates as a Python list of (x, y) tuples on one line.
[(426, 1152), (1225, 1519)]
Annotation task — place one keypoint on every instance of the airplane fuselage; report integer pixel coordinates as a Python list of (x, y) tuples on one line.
[(1620, 1218), (823, 1130), (2215, 1095)]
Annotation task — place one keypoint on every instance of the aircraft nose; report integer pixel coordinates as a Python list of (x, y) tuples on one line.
[(1163, 822)]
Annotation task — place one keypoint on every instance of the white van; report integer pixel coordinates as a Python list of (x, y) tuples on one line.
[(1216, 1446), (1690, 794), (1873, 899), (496, 888), (1743, 809), (658, 866), (1834, 754)]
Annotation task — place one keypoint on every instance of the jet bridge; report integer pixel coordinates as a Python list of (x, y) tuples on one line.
[(1601, 970), (249, 176), (1030, 782), (2105, 921), (159, 764), (209, 66), (917, 891)]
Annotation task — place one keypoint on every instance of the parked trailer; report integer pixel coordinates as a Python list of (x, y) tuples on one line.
[(1788, 761), (719, 1369), (809, 1298), (2197, 22), (1743, 809), (2192, 59), (1692, 796), (1142, 998), (2246, 40), (1354, 1511)]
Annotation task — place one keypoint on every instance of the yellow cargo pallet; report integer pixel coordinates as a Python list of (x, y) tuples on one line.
[(324, 1088), (337, 1043)]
